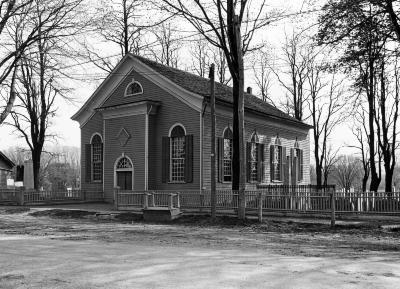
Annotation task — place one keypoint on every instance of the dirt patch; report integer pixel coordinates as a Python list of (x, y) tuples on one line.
[(63, 214), (15, 210), (128, 217)]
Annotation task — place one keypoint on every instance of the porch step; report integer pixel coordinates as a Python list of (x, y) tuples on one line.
[(161, 214)]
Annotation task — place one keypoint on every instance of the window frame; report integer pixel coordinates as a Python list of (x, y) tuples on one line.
[(254, 161), (227, 162), (278, 151), (129, 85), (97, 166), (176, 144)]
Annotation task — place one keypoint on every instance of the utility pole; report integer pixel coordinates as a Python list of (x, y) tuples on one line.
[(212, 105)]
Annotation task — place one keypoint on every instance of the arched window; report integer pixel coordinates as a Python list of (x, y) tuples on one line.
[(97, 158), (255, 157), (124, 163), (276, 160), (227, 155), (133, 88), (124, 173), (177, 154)]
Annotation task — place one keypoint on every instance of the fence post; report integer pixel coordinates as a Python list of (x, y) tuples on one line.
[(116, 192), (201, 200), (153, 202), (333, 215), (171, 201), (179, 200), (20, 193), (260, 207), (146, 200)]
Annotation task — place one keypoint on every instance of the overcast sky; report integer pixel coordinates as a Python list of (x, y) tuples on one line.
[(68, 131)]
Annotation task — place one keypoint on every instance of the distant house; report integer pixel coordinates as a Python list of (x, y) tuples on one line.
[(147, 127), (6, 169)]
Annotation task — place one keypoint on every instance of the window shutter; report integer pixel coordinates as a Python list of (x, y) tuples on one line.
[(300, 160), (220, 141), (165, 159), (260, 162), (248, 160), (88, 158), (283, 163), (189, 158), (271, 165), (292, 167), (102, 161)]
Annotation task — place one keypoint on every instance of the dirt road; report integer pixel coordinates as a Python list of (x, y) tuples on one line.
[(44, 251)]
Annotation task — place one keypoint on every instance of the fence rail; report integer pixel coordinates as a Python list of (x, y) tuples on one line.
[(28, 197), (304, 201)]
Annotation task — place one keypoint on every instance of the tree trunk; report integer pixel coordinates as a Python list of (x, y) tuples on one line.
[(388, 179), (318, 172), (375, 179), (364, 182), (238, 144), (36, 154)]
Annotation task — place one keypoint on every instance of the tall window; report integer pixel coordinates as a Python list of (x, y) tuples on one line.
[(227, 161), (254, 158), (276, 161), (177, 161), (97, 158)]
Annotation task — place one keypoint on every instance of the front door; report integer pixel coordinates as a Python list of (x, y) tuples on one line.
[(124, 180)]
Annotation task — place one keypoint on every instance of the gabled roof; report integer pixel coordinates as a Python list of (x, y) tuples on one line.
[(6, 160), (186, 86), (223, 93)]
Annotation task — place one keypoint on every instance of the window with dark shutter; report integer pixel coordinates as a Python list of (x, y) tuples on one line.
[(271, 162), (248, 161), (189, 158), (260, 169), (299, 161), (165, 159), (221, 156), (88, 163)]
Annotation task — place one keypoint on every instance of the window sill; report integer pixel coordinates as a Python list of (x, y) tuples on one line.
[(176, 182), (96, 182)]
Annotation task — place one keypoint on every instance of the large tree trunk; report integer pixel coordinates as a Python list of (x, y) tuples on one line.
[(388, 179), (36, 154), (239, 156), (375, 179)]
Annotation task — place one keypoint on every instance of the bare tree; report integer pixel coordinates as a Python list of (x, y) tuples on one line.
[(118, 22), (347, 172), (165, 49), (17, 33), (262, 76), (228, 26), (360, 132), (39, 77), (386, 118), (200, 54), (325, 105), (203, 55), (297, 54)]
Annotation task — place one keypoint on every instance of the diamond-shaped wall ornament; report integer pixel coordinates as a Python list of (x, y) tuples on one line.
[(123, 137)]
